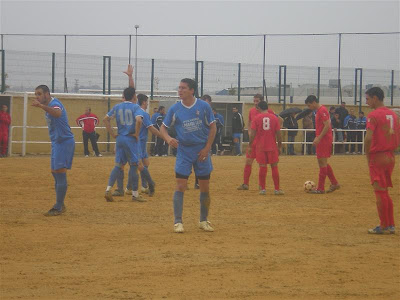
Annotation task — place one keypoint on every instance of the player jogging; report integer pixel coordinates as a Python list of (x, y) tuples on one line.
[(195, 127), (323, 143), (382, 138), (128, 116), (62, 144), (264, 133)]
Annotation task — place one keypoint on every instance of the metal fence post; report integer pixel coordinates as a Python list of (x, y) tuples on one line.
[(318, 82), (130, 50), (3, 71), (196, 71), (264, 84), (392, 89), (152, 80), (53, 70), (239, 71), (24, 123), (65, 65), (339, 84), (202, 77), (105, 59)]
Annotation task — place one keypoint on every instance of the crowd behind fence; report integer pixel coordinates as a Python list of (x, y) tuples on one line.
[(285, 68)]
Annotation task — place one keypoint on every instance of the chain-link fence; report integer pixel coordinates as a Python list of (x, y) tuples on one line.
[(285, 68)]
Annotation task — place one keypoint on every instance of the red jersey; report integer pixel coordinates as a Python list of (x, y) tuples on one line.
[(321, 116), (5, 121), (386, 130), (87, 122), (252, 115), (266, 125)]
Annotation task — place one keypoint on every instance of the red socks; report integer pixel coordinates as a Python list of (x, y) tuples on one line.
[(275, 177), (321, 179), (247, 173), (331, 175), (384, 205), (262, 175)]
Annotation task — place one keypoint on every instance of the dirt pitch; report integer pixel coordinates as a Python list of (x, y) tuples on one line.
[(295, 246)]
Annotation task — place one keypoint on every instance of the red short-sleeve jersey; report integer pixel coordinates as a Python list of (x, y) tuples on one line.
[(252, 114), (321, 116), (386, 129), (266, 125)]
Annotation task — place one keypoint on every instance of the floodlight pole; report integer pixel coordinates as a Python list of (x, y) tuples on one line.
[(136, 27), (130, 49)]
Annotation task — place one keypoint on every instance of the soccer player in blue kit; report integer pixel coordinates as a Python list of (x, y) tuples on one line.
[(62, 144), (195, 127), (128, 116)]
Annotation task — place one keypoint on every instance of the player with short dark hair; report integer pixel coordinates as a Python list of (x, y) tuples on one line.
[(323, 143), (195, 127), (62, 144), (263, 134), (382, 138)]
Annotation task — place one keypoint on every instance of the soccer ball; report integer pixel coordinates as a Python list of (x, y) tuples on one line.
[(309, 185)]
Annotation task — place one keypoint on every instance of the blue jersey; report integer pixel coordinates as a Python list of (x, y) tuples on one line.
[(145, 125), (192, 124), (59, 129), (125, 114)]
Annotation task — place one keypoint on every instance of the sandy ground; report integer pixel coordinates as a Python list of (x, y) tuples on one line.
[(296, 246)]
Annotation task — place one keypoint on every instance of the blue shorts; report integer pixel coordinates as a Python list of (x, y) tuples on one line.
[(237, 135), (126, 150), (62, 154), (143, 149), (187, 157)]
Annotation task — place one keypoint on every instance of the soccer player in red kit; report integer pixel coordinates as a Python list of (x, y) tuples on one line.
[(382, 138), (5, 121), (264, 133), (323, 143)]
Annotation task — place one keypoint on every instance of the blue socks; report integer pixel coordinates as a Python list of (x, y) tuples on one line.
[(178, 206), (204, 206), (133, 180), (114, 175), (146, 178), (120, 180), (61, 189)]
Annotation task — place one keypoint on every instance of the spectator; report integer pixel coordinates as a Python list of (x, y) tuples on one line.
[(291, 123), (153, 137), (237, 130), (342, 111), (332, 112), (161, 145), (337, 124), (350, 123), (310, 136), (88, 122), (5, 121), (219, 119), (207, 98), (361, 124)]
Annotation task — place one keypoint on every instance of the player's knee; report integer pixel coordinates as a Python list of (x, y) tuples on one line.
[(377, 187)]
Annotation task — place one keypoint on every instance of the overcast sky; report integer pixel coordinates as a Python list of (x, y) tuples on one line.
[(211, 17)]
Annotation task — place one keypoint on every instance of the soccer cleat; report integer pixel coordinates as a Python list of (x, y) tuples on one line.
[(378, 230), (316, 192), (206, 226), (263, 192), (152, 190), (178, 228), (196, 186), (99, 155), (118, 193), (54, 212), (391, 229), (86, 155), (128, 192), (145, 190), (279, 192), (165, 155), (108, 196), (138, 199), (156, 155), (243, 187), (333, 188)]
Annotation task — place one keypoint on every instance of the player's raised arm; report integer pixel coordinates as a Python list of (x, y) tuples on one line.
[(129, 72), (53, 111)]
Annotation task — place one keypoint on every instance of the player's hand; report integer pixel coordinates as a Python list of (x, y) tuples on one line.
[(140, 165), (203, 154), (173, 142), (136, 136), (129, 71), (316, 141), (249, 150), (36, 103), (114, 135)]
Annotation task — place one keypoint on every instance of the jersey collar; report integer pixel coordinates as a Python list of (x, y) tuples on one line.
[(189, 107)]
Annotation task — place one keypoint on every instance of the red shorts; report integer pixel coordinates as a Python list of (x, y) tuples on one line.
[(324, 149), (267, 157), (381, 167), (253, 151)]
